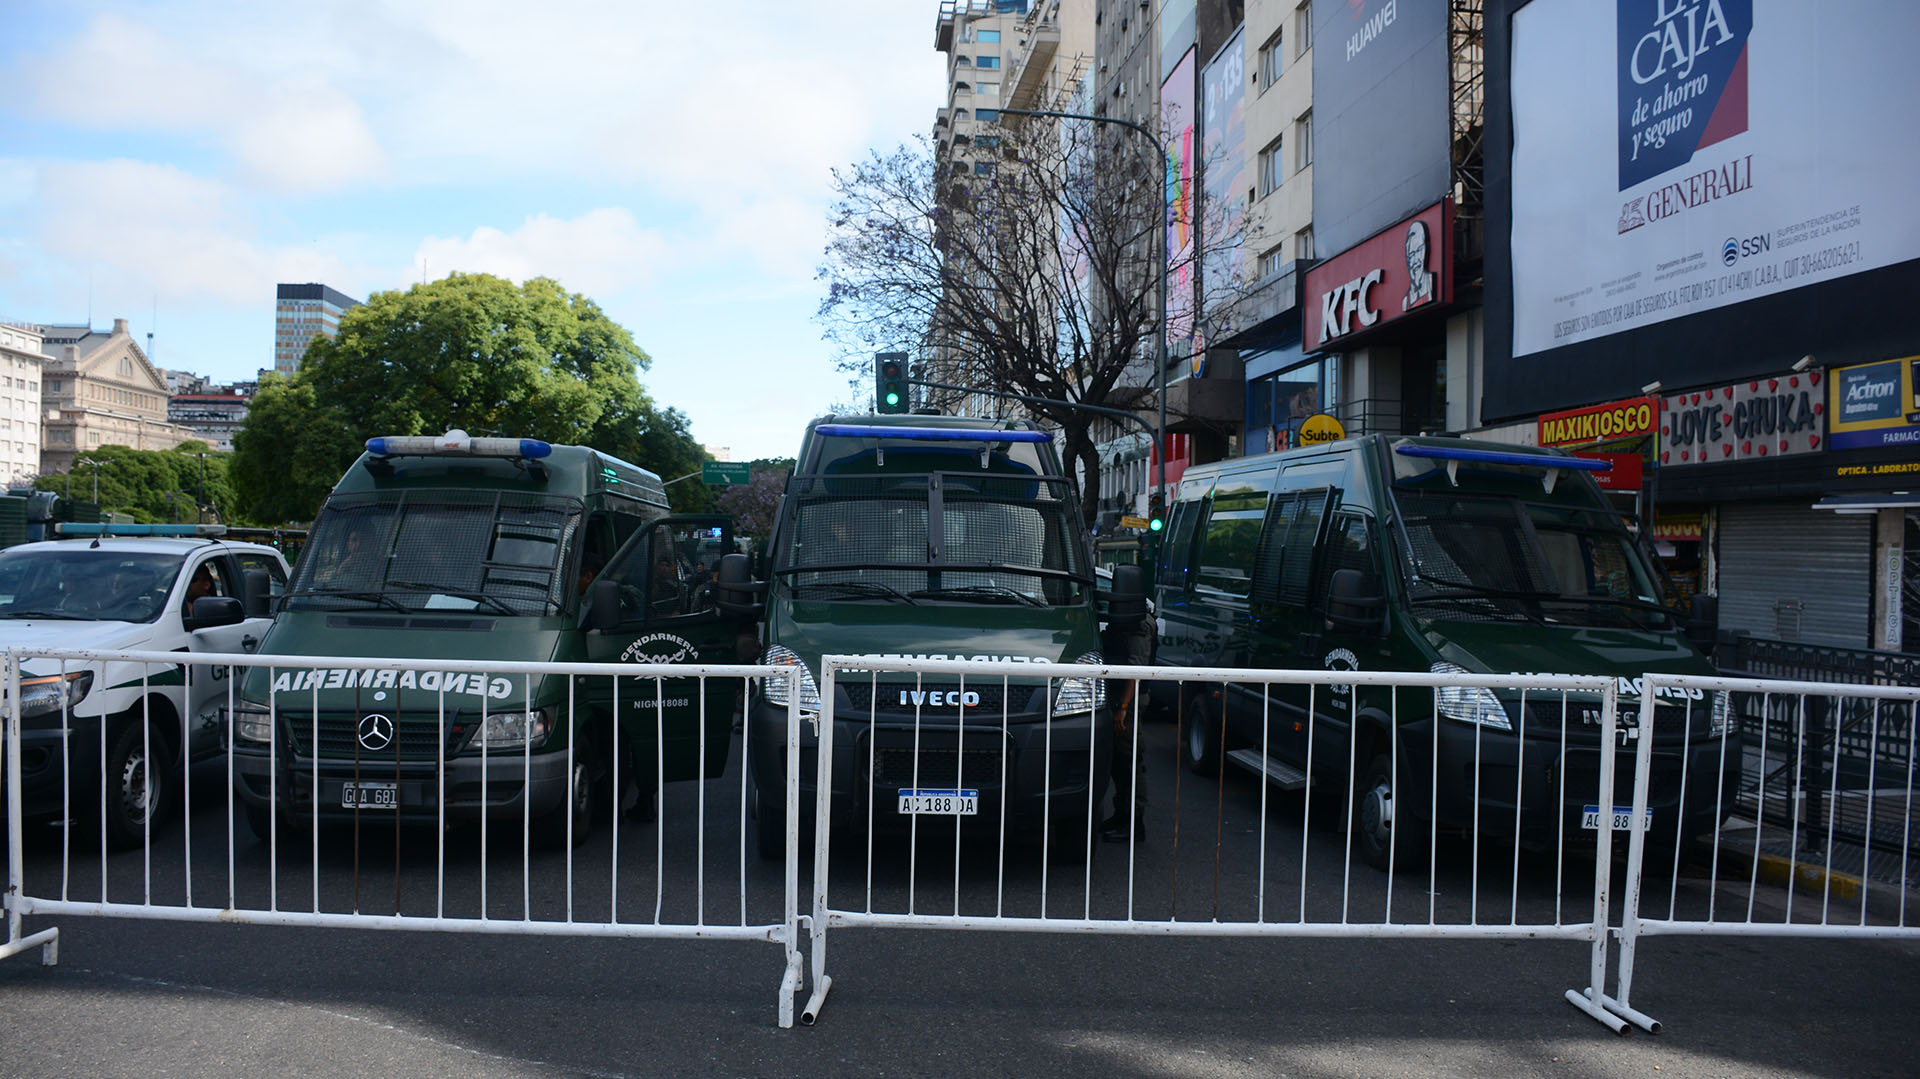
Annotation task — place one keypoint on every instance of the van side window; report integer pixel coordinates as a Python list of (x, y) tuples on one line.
[(1232, 533), (1283, 572), (1176, 552)]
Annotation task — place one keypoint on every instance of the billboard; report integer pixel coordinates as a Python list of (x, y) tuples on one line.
[(1381, 117), (1223, 172), (1177, 121), (1403, 270), (1671, 157), (1875, 404)]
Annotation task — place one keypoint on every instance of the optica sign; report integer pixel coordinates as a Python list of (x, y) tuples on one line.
[(1617, 421)]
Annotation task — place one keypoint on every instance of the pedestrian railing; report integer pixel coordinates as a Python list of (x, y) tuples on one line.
[(950, 779), (1825, 845), (402, 810)]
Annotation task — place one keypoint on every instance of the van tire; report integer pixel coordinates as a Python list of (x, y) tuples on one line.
[(1373, 815), (1200, 735), (549, 829)]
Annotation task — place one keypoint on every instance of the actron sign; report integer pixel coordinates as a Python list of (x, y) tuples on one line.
[(1614, 422), (1399, 271)]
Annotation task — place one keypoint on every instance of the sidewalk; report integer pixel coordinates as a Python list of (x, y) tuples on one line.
[(1889, 882)]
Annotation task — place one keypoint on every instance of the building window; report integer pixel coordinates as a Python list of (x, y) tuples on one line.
[(1272, 60), (1271, 166), (987, 61), (987, 142), (987, 116), (987, 37), (1303, 27), (983, 168), (1303, 140), (987, 89), (1271, 260), (1303, 244), (962, 61)]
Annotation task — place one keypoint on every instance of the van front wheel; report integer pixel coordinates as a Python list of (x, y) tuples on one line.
[(550, 829), (1373, 814), (1200, 735)]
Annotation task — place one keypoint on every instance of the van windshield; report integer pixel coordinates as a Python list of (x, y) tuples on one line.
[(933, 539), (437, 550), (1506, 559)]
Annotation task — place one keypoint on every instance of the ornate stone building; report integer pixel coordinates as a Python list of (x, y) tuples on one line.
[(99, 389)]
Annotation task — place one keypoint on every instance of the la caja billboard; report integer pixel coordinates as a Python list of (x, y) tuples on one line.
[(1402, 270)]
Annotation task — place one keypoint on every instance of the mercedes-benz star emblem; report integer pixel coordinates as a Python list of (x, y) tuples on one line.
[(376, 732)]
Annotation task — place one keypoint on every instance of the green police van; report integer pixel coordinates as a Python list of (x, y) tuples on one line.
[(1439, 555), (936, 537), (503, 549)]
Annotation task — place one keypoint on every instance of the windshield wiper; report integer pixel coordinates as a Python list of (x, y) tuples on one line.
[(378, 598), (980, 592), (1634, 605), (45, 614), (499, 606), (866, 588)]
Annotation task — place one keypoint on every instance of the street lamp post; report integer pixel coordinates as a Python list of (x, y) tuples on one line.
[(1166, 211), (95, 463)]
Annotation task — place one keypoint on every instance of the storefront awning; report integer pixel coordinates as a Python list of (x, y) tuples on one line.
[(1893, 500)]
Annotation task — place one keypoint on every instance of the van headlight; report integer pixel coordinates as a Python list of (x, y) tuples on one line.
[(1470, 704), (1081, 694), (1721, 712), (774, 690), (252, 723), (514, 730), (53, 694)]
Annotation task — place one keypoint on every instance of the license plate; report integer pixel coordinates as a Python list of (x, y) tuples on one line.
[(1622, 818), (940, 803), (369, 796)]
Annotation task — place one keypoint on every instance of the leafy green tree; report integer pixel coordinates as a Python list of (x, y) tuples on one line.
[(658, 439), (154, 486), (470, 351)]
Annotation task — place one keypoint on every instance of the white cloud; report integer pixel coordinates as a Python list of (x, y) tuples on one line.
[(157, 231), (601, 253)]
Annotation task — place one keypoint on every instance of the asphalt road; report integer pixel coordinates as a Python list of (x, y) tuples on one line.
[(142, 997)]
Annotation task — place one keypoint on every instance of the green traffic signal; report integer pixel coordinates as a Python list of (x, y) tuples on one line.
[(890, 381), (1155, 525)]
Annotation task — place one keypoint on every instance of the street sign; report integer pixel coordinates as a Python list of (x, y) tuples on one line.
[(1130, 521), (723, 473)]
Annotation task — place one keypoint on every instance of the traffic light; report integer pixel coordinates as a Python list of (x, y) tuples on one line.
[(1156, 513), (890, 381)]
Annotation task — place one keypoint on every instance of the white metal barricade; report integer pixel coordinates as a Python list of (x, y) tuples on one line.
[(439, 884), (1244, 872), (1821, 840)]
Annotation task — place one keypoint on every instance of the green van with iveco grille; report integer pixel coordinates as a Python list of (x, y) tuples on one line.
[(1439, 555), (503, 549), (937, 537)]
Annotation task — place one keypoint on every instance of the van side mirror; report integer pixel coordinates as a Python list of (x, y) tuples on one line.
[(1703, 623), (258, 589), (735, 590), (603, 605), (210, 611), (1354, 601), (1127, 605)]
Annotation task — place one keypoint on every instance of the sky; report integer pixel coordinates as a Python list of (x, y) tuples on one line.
[(170, 163)]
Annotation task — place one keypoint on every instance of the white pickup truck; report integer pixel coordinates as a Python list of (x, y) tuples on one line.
[(122, 593)]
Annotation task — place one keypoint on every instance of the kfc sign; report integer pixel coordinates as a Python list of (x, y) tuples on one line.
[(1407, 267)]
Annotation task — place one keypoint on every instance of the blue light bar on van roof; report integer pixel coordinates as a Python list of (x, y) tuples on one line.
[(456, 443), (1549, 465), (931, 434), (71, 528)]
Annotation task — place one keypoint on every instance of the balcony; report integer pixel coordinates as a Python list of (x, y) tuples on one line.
[(1028, 68)]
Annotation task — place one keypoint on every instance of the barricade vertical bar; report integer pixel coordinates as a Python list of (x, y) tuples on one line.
[(1760, 805), (960, 783), (1636, 856), (1519, 786), (147, 774), (1006, 733), (700, 812), (573, 740), (1306, 800), (1393, 781), (1560, 820), (1266, 741), (1046, 805), (1433, 819), (659, 795), (186, 777), (913, 820), (1838, 712), (1873, 791), (1799, 793), (440, 801), (231, 887), (486, 795), (48, 940), (1906, 831), (526, 802), (66, 788), (613, 871), (1353, 751), (822, 817), (790, 878), (1719, 800), (1591, 1001)]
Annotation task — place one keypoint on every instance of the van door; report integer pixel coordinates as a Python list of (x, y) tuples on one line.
[(664, 576), (1223, 578), (1172, 583), (1286, 633)]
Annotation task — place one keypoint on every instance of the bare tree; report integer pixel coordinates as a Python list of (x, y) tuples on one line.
[(1031, 269)]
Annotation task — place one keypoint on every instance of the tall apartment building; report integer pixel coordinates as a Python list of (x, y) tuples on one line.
[(301, 313), (20, 361), (99, 389)]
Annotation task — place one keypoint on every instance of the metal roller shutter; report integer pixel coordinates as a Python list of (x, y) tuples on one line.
[(1788, 572)]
